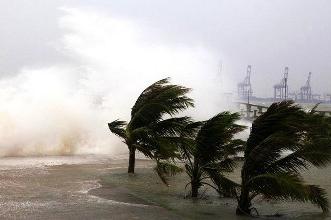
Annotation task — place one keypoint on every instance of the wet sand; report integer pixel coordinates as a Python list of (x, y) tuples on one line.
[(146, 185), (37, 191), (96, 187)]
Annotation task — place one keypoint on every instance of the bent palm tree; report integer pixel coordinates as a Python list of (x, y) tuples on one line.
[(208, 150), (148, 131), (283, 141)]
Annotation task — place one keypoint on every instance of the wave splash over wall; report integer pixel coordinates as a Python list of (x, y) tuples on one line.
[(63, 109)]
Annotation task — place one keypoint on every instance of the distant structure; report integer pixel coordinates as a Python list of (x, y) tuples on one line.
[(317, 97), (281, 89), (305, 91), (245, 88), (293, 96), (251, 111), (281, 92), (327, 98)]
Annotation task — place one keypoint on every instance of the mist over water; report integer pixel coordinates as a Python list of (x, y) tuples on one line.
[(64, 108)]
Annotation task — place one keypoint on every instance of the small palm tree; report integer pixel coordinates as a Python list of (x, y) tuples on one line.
[(208, 150), (148, 131), (283, 141)]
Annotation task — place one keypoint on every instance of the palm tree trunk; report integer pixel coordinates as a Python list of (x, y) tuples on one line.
[(132, 159), (243, 207), (244, 202), (194, 189), (195, 180)]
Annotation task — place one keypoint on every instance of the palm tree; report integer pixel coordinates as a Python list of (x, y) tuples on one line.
[(283, 141), (148, 131), (208, 150)]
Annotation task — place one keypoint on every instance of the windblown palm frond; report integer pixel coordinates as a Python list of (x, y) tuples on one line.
[(157, 100), (283, 186), (282, 116), (315, 154), (118, 127), (208, 150), (160, 139), (164, 169), (171, 126), (153, 129), (283, 141), (224, 186), (215, 134)]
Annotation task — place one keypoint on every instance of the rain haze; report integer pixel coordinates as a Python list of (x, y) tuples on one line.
[(66, 67), (235, 122)]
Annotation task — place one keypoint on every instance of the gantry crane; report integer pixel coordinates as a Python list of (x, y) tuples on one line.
[(305, 91), (281, 89), (245, 88)]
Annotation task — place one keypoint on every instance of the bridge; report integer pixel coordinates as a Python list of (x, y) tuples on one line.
[(250, 111)]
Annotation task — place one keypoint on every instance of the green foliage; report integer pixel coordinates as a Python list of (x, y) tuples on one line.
[(283, 186), (164, 169), (157, 100), (208, 149), (283, 141), (153, 129), (117, 127)]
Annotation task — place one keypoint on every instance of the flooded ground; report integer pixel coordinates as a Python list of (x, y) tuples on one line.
[(57, 188), (97, 187), (146, 185)]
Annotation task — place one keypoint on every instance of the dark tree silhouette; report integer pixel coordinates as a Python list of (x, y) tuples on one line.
[(283, 141), (208, 149), (148, 131)]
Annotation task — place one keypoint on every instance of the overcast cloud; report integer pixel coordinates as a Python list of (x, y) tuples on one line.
[(68, 67), (266, 34)]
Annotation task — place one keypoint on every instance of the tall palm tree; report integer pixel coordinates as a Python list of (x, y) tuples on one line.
[(208, 149), (284, 141), (148, 131)]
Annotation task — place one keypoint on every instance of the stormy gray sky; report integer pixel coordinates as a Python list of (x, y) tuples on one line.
[(266, 34), (68, 67)]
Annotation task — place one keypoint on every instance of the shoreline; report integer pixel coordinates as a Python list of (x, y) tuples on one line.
[(145, 188), (104, 190), (120, 187), (117, 194)]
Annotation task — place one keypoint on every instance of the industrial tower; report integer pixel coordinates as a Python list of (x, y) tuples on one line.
[(281, 89), (245, 88), (305, 91)]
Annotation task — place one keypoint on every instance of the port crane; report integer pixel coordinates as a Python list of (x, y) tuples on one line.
[(281, 89), (245, 88), (305, 91)]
